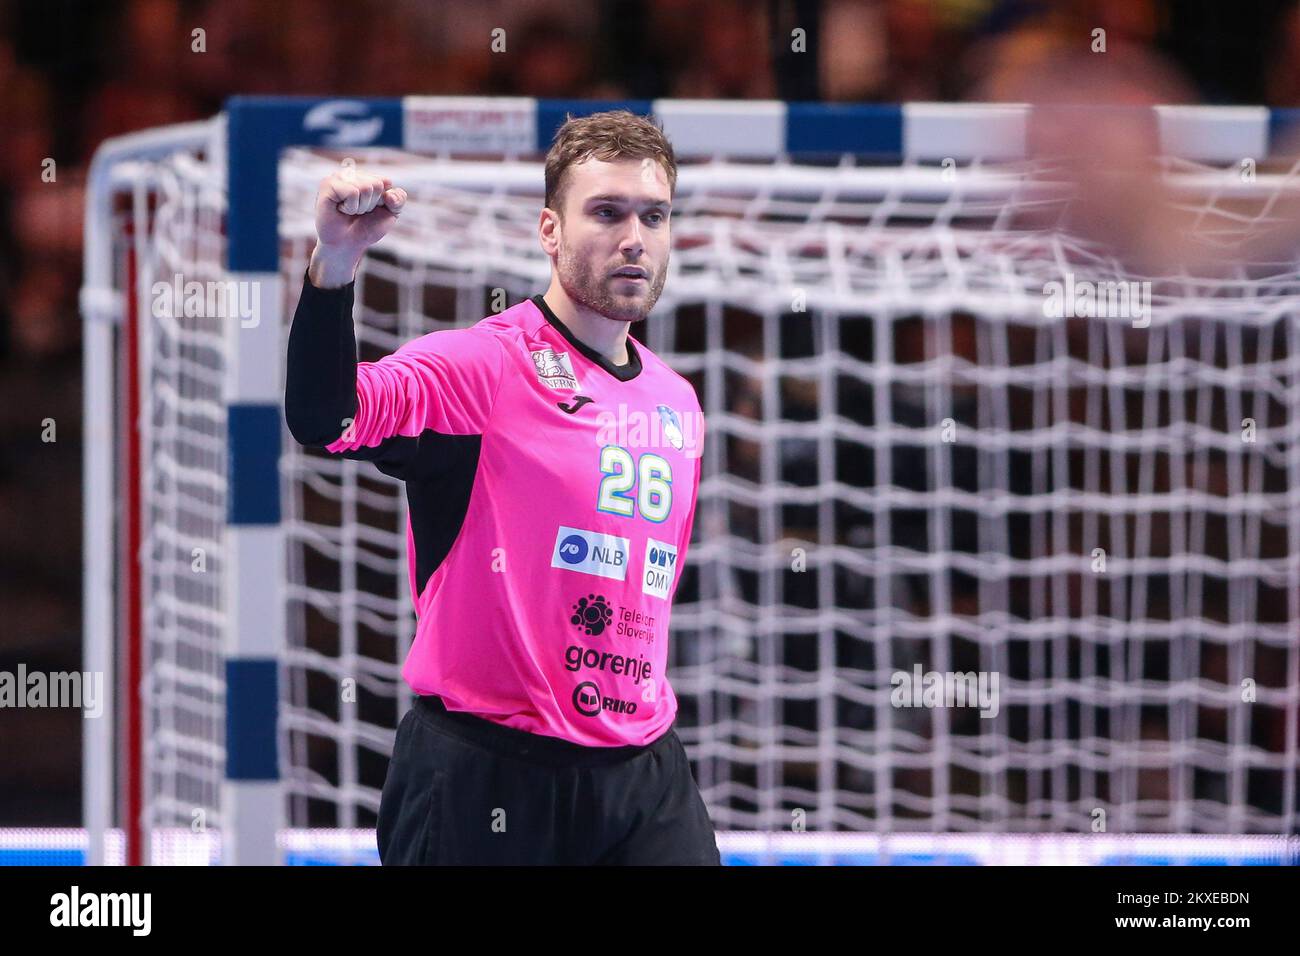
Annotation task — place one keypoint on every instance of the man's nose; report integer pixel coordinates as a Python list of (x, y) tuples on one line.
[(632, 241)]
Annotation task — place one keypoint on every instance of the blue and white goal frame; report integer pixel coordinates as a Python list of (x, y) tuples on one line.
[(254, 131)]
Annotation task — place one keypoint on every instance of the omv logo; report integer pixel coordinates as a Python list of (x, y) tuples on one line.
[(346, 122)]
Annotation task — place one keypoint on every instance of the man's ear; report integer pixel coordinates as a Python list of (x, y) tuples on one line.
[(548, 230)]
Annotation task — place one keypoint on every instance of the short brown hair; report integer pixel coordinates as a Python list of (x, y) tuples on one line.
[(613, 134)]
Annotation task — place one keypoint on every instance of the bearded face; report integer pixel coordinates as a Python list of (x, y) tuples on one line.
[(612, 256)]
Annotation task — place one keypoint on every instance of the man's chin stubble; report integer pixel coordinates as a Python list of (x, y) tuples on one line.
[(645, 303), (600, 298), (633, 311), (612, 307)]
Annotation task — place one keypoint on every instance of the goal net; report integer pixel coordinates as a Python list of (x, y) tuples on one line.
[(922, 476)]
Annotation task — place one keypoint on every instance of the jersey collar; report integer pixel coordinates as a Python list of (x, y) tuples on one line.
[(624, 373)]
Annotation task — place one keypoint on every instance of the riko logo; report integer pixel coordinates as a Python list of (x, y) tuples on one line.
[(660, 567), (346, 120), (588, 701), (590, 552), (554, 369), (593, 614)]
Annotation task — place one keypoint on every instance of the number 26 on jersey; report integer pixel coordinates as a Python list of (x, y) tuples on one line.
[(630, 485)]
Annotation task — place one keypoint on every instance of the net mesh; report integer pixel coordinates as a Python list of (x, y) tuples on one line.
[(913, 467), (176, 231)]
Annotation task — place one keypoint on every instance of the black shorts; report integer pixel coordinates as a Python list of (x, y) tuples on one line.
[(462, 790)]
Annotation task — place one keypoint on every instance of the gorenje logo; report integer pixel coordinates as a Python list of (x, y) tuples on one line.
[(588, 701), (577, 657), (590, 552)]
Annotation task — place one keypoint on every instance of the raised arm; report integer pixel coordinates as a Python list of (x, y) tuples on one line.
[(353, 212), (445, 381)]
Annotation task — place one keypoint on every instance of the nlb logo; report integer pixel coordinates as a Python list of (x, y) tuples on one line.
[(348, 123), (660, 567), (590, 552), (573, 549)]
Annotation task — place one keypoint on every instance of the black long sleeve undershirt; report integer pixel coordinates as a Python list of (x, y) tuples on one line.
[(320, 387), (320, 393)]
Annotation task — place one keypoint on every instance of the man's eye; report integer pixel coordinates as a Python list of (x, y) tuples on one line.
[(657, 217), (604, 209)]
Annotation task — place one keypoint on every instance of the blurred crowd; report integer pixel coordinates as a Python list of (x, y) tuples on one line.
[(75, 72)]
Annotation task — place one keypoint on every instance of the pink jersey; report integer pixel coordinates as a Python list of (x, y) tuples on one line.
[(549, 611)]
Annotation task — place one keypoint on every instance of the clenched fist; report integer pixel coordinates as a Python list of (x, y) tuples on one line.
[(354, 210)]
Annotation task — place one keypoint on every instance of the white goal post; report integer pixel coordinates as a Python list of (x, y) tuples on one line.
[(915, 467)]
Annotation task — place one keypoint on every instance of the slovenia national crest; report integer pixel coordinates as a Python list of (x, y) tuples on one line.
[(671, 426)]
